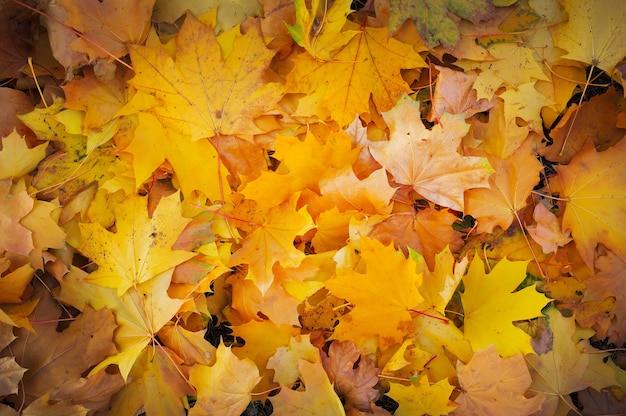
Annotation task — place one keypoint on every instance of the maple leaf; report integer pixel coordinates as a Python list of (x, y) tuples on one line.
[(272, 242), (12, 103), (44, 406), (428, 232), (353, 376), (515, 65), (156, 385), (547, 233), (595, 211), (509, 187), (562, 370), (56, 358), (455, 94), (368, 65), (100, 100), (433, 20), (345, 191), (303, 163), (498, 137), (423, 398), (218, 391), (284, 362), (608, 282), (16, 159), (14, 237), (319, 30), (13, 284), (228, 14), (440, 285), (150, 240), (318, 397), (11, 374), (195, 164), (491, 385), (428, 160), (602, 20), (491, 305), (595, 119), (197, 95), (110, 26), (390, 284), (71, 168), (140, 312)]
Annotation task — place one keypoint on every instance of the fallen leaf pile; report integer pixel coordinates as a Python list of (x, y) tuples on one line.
[(312, 207)]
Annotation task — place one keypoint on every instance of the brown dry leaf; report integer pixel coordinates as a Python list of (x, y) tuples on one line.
[(594, 120), (509, 187), (109, 25), (429, 160), (428, 232), (609, 281), (12, 103), (17, 36), (491, 385), (353, 376), (56, 358), (10, 375)]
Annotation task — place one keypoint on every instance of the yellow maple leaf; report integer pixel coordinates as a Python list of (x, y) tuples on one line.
[(196, 164), (593, 186), (140, 312), (491, 306), (16, 159), (318, 397), (368, 65), (319, 30), (564, 369), (423, 398), (428, 160), (602, 23), (382, 296), (141, 246), (156, 385), (225, 388), (204, 91), (272, 241), (491, 385)]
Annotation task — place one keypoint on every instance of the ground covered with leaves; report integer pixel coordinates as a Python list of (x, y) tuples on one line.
[(312, 207)]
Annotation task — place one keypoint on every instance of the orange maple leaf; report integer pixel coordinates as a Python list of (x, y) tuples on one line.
[(429, 160), (368, 65), (272, 242), (389, 285), (509, 187), (110, 26)]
